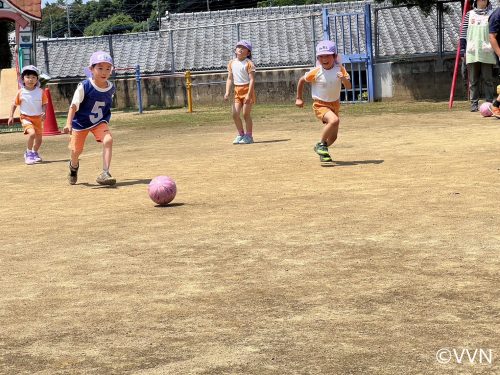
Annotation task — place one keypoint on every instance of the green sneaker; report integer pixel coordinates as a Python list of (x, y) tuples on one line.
[(321, 149), (325, 158)]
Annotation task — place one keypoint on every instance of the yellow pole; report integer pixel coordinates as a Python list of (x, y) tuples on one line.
[(189, 91)]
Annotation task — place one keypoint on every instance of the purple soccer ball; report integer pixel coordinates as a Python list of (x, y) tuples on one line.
[(485, 109), (162, 190)]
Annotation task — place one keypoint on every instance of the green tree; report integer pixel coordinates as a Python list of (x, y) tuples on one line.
[(115, 24)]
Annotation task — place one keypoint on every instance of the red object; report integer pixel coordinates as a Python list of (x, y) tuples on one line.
[(50, 124), (457, 57)]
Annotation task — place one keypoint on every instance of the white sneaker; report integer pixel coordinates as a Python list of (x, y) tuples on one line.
[(246, 140), (105, 179), (238, 139)]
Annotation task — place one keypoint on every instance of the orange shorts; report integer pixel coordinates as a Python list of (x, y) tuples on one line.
[(77, 139), (321, 108), (240, 92), (32, 122)]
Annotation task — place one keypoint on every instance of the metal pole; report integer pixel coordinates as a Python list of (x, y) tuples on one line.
[(369, 68), (67, 18), (208, 5), (139, 91), (158, 10), (189, 93), (171, 46), (326, 24)]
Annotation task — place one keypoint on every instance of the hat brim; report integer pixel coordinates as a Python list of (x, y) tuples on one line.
[(325, 54)]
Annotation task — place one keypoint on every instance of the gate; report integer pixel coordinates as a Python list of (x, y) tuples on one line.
[(352, 33)]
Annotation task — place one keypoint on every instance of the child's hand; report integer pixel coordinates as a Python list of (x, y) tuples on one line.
[(226, 96), (43, 116), (66, 129), (340, 75), (10, 121), (299, 103), (247, 100)]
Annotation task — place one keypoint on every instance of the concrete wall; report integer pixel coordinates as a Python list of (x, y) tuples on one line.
[(425, 79)]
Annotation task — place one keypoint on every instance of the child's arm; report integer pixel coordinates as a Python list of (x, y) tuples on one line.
[(11, 117), (44, 111), (251, 88), (344, 77), (69, 121), (300, 88), (229, 82)]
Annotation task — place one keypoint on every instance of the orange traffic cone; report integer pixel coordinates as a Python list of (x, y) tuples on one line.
[(50, 124)]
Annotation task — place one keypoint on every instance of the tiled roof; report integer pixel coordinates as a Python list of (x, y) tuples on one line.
[(32, 7), (282, 36)]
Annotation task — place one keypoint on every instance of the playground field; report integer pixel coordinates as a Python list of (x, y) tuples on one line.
[(383, 262)]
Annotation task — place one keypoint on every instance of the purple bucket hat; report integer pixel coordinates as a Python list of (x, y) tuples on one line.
[(100, 57), (246, 44), (326, 47)]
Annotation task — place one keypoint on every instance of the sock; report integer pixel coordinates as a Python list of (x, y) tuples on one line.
[(249, 133), (496, 103), (241, 132), (28, 150)]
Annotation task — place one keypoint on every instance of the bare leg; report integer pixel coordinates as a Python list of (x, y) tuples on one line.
[(107, 151), (31, 138), (330, 129), (248, 119), (38, 142), (237, 117)]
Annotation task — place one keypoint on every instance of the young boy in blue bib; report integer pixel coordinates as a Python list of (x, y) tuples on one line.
[(90, 111)]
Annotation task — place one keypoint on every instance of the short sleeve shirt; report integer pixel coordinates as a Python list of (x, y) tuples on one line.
[(325, 85), (494, 23), (241, 71), (31, 102)]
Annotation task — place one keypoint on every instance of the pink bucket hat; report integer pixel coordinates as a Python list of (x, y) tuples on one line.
[(326, 47), (100, 57)]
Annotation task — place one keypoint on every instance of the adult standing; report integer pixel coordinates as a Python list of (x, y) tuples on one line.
[(494, 22), (479, 54)]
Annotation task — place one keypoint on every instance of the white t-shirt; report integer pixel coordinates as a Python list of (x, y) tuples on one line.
[(30, 102), (241, 71), (325, 85)]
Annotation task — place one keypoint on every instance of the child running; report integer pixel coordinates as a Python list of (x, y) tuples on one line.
[(90, 111), (326, 80), (242, 73), (32, 102)]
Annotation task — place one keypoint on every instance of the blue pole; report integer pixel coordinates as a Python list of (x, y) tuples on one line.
[(139, 91), (326, 24), (369, 52)]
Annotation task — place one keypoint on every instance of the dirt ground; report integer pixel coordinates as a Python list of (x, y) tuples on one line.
[(266, 262)]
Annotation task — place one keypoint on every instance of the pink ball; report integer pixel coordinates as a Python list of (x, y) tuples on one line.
[(162, 190), (485, 109)]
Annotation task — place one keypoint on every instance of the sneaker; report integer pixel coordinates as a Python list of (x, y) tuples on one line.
[(474, 106), (325, 159), (321, 149), (73, 174), (105, 179), (246, 140), (28, 158), (36, 157), (238, 139), (495, 111)]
